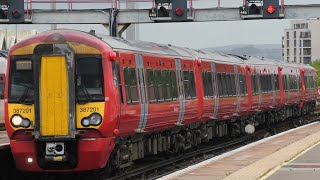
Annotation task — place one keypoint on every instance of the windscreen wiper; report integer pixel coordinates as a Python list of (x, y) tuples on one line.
[(87, 96), (25, 95)]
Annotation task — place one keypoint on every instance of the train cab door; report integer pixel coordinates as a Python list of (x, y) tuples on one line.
[(141, 83), (181, 94)]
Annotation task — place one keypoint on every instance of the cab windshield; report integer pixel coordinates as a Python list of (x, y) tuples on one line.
[(89, 79), (21, 81)]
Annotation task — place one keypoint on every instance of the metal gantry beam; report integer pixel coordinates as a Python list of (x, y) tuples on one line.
[(136, 16)]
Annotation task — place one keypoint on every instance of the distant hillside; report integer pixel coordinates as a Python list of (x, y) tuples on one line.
[(272, 51)]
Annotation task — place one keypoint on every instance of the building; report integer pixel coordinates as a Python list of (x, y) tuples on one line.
[(301, 43), (9, 37)]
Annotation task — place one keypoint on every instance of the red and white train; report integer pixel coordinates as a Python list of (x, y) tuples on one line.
[(76, 101)]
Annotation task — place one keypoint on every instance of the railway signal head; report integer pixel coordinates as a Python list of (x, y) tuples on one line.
[(16, 11), (179, 10), (270, 9), (260, 9)]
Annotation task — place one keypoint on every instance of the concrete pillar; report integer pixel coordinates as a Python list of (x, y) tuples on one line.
[(53, 7), (132, 33)]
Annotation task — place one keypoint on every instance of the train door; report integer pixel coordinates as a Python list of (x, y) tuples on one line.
[(215, 90), (53, 96), (181, 95), (141, 83)]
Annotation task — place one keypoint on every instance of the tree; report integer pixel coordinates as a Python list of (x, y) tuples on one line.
[(316, 65)]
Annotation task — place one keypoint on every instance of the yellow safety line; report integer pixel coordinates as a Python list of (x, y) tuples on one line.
[(287, 162)]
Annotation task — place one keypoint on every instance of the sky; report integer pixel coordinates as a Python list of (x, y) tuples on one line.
[(199, 34)]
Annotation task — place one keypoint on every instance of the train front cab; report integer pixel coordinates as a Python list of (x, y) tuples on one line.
[(56, 114)]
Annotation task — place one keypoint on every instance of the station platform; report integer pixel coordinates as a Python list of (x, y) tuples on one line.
[(305, 166), (282, 156), (4, 140)]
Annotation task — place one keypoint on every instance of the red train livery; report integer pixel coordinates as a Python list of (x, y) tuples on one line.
[(76, 101)]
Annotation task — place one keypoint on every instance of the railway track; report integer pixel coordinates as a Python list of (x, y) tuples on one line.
[(174, 161)]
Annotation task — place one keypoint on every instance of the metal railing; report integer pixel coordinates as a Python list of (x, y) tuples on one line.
[(114, 3), (71, 4)]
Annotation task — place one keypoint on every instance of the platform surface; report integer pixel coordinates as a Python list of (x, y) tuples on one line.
[(256, 160), (306, 166), (4, 140)]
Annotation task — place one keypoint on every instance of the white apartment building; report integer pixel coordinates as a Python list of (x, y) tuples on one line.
[(301, 43)]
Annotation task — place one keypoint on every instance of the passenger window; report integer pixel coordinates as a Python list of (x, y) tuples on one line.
[(207, 84), (189, 85), (276, 81), (285, 82), (166, 85), (174, 85), (269, 83), (192, 85), (243, 85), (151, 86), (233, 85), (186, 82), (116, 78), (253, 84), (130, 82), (228, 83), (159, 82), (224, 85), (264, 84), (2, 85), (220, 88)]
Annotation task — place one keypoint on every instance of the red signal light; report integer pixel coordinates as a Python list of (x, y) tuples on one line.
[(271, 9), (179, 12), (15, 13)]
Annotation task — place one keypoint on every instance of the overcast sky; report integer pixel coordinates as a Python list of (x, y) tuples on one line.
[(202, 34)]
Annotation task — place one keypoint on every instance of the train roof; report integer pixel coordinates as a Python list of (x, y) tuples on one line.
[(167, 50), (150, 47), (217, 57), (142, 46)]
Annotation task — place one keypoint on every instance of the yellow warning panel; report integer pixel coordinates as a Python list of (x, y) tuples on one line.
[(53, 96)]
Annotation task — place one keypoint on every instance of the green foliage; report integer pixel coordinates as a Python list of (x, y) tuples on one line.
[(316, 65)]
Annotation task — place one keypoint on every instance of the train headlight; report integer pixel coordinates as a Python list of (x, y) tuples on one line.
[(16, 120), (26, 123), (94, 119), (19, 121), (85, 122)]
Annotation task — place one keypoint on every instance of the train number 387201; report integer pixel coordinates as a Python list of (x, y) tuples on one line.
[(89, 109), (21, 110)]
